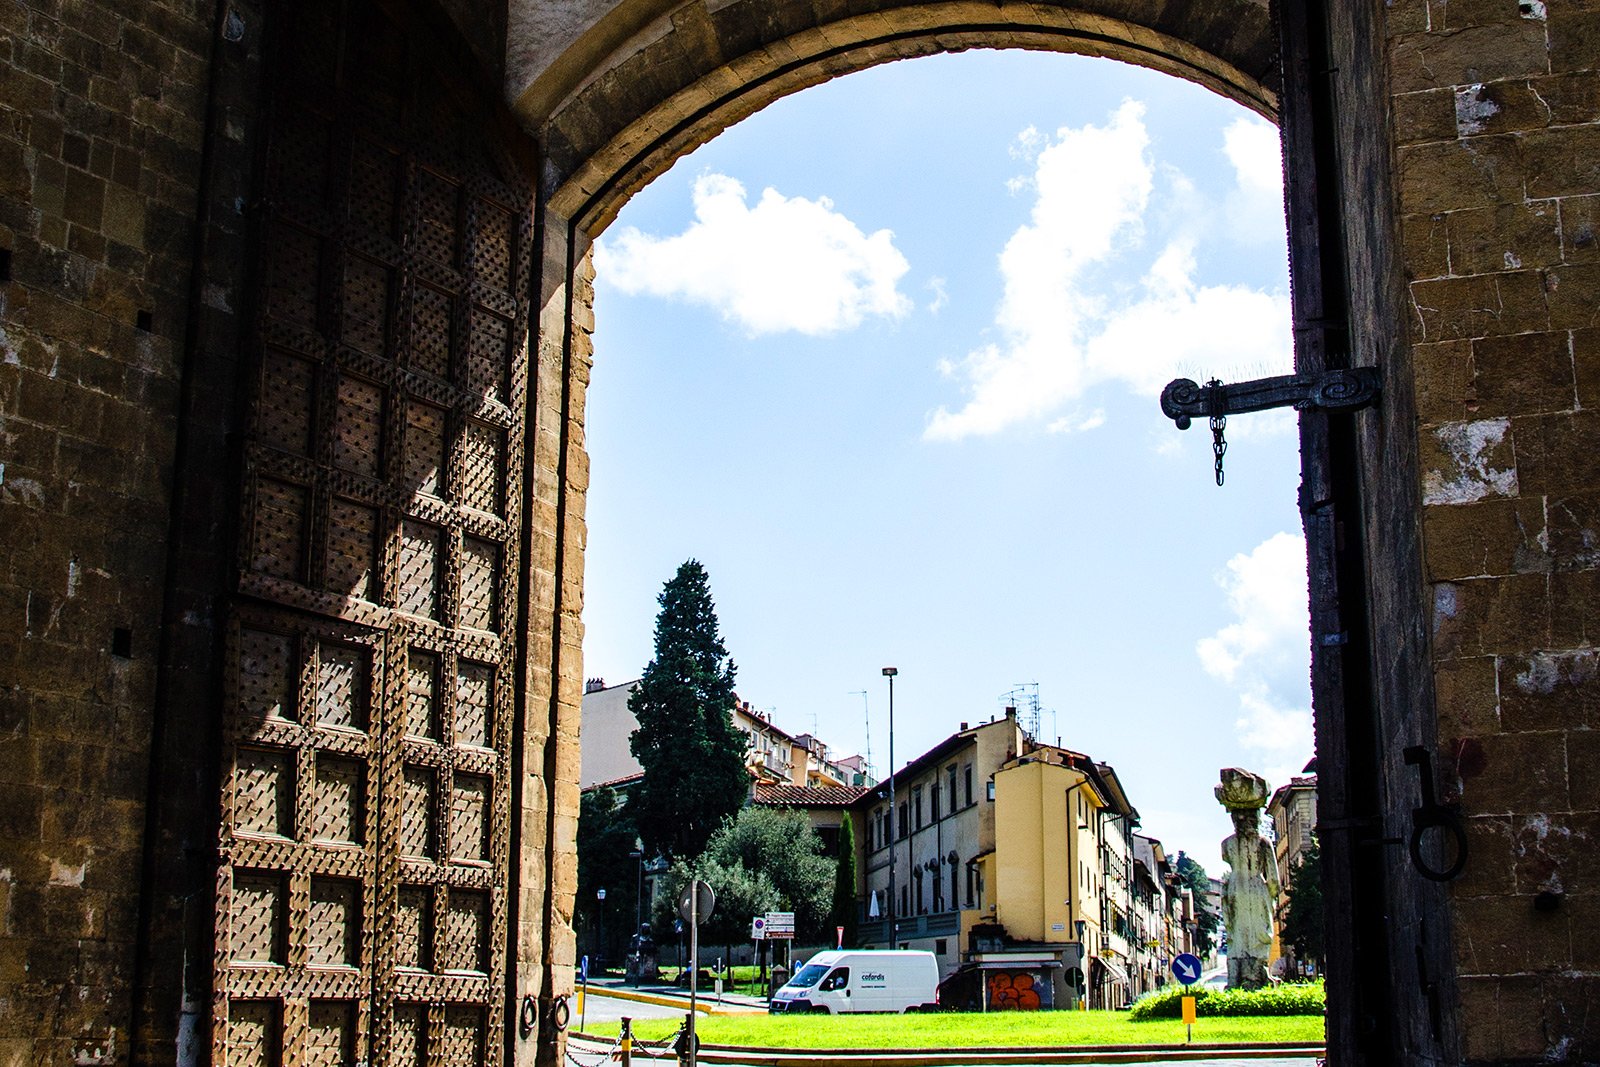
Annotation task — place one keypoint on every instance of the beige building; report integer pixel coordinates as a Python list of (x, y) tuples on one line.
[(1293, 811), (774, 756)]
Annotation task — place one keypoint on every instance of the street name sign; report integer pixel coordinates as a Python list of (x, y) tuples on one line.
[(779, 926)]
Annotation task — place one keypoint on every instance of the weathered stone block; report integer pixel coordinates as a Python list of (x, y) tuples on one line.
[(1572, 295), (1550, 452), (1444, 388), (1552, 854), (1465, 692), (1505, 935), (1523, 374), (1425, 116), (1561, 162), (1459, 14), (1490, 872), (1464, 462), (1476, 172), (1490, 616), (1509, 237), (1549, 690), (1468, 56), (1574, 609), (1580, 228), (1425, 239), (1483, 306), (1574, 38), (1492, 537)]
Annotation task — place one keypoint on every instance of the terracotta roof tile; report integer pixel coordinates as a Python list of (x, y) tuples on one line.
[(808, 796)]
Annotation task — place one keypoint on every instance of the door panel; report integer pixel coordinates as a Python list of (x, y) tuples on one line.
[(362, 892)]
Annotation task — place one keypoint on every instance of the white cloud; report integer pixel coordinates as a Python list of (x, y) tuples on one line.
[(785, 264), (1079, 422), (941, 295), (1177, 326), (1064, 328), (1264, 654), (1255, 208)]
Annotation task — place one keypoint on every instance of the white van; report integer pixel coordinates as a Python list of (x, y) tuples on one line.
[(845, 981)]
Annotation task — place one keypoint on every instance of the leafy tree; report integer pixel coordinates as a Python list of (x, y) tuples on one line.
[(606, 836), (741, 895), (764, 859), (844, 882), (782, 846), (692, 754), (1193, 877), (1302, 921)]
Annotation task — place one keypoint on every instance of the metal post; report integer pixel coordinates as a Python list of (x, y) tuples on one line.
[(625, 1047), (894, 814), (694, 966)]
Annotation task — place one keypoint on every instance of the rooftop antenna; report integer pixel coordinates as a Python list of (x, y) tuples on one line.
[(866, 726), (1024, 696)]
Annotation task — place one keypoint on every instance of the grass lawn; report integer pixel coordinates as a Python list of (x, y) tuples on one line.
[(974, 1030)]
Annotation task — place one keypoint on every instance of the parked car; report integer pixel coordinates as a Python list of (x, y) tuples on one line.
[(848, 981)]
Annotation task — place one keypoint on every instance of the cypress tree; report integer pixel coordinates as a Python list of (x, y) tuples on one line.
[(844, 882), (692, 754)]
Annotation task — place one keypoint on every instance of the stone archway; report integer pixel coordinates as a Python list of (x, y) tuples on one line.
[(640, 86)]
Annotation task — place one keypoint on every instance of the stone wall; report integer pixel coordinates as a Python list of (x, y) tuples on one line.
[(101, 118), (1496, 128)]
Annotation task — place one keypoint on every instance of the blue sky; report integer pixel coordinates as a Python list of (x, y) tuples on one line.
[(885, 357)]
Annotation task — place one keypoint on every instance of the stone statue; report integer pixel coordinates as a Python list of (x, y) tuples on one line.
[(1251, 889), (642, 963)]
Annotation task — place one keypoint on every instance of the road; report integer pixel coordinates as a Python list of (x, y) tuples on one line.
[(601, 1008)]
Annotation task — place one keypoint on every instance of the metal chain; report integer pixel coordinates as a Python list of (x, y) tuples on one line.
[(1219, 422), (606, 1054)]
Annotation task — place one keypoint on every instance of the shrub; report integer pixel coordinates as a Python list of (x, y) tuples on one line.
[(1297, 998)]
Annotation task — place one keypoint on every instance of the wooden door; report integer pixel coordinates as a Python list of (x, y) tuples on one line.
[(362, 890)]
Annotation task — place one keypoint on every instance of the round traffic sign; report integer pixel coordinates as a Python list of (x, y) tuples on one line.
[(696, 901), (1186, 968)]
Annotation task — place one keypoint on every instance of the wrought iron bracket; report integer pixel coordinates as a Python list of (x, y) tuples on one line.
[(1336, 390)]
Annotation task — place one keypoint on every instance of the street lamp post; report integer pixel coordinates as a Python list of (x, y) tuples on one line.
[(638, 900), (894, 826), (636, 951)]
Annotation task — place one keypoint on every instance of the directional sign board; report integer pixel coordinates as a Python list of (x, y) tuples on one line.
[(696, 908), (1186, 968), (779, 926)]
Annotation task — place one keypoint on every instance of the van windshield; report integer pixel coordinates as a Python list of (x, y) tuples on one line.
[(808, 976)]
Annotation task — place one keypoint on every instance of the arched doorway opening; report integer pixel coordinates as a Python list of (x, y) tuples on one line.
[(620, 120)]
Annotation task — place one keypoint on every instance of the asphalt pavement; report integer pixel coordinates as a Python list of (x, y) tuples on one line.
[(598, 1007)]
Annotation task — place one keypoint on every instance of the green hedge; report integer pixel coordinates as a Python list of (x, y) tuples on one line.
[(1298, 998)]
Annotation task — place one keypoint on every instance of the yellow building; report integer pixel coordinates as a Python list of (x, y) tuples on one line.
[(1010, 854)]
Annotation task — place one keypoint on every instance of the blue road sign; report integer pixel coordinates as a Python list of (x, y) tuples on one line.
[(1186, 968), (583, 969)]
